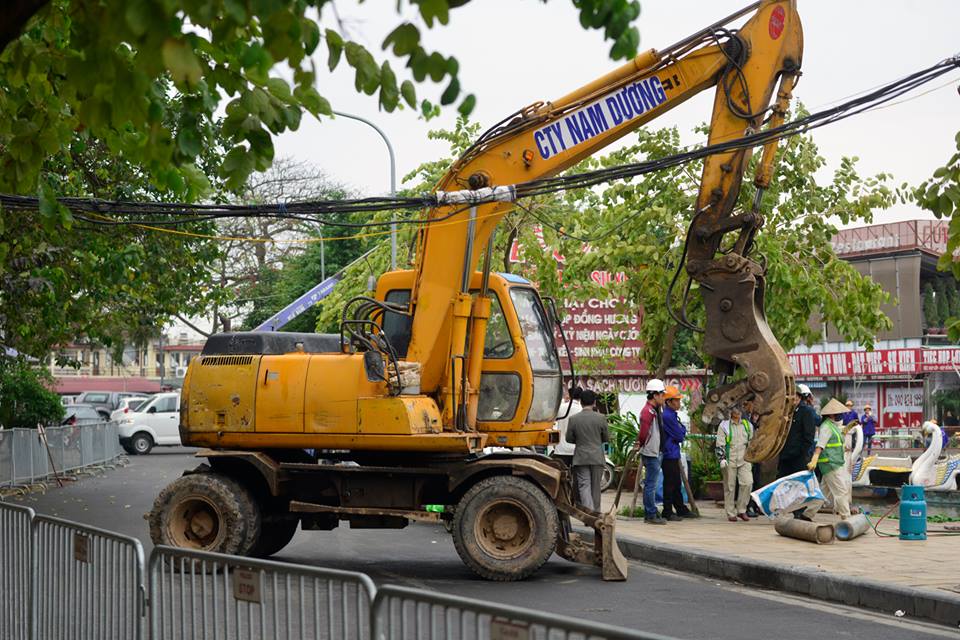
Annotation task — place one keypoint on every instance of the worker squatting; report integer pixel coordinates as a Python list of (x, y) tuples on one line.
[(606, 113)]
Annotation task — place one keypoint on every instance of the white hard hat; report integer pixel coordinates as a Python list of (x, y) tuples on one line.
[(655, 385), (803, 390)]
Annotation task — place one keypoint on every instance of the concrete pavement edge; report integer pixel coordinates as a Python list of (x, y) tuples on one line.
[(916, 603)]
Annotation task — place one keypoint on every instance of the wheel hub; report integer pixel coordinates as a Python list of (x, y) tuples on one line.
[(195, 524), (504, 529)]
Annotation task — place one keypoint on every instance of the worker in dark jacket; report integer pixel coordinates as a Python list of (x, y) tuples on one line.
[(803, 432), (674, 434), (588, 431), (869, 425)]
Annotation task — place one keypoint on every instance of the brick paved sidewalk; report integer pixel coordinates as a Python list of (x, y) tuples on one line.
[(933, 563)]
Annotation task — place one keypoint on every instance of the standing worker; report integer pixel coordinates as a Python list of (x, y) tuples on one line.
[(674, 434), (588, 431), (802, 435), (849, 415), (648, 442), (564, 450), (828, 458), (869, 426), (733, 435)]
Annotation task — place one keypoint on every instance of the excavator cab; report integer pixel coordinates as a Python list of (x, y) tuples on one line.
[(521, 381)]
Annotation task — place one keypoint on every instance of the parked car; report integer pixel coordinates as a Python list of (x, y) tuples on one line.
[(127, 405), (155, 423), (107, 401), (68, 400), (81, 414)]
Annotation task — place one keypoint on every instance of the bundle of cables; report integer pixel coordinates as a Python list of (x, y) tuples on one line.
[(105, 212)]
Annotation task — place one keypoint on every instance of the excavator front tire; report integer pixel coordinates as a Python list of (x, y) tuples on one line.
[(505, 528), (208, 512)]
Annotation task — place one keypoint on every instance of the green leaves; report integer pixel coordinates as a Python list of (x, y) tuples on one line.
[(615, 17), (368, 73), (405, 40), (182, 63), (334, 48)]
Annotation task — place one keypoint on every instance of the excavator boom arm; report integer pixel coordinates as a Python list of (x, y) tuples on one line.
[(546, 138)]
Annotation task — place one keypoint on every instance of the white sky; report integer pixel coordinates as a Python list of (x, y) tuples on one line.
[(514, 52)]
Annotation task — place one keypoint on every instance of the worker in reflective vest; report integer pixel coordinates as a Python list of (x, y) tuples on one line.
[(733, 435), (828, 458)]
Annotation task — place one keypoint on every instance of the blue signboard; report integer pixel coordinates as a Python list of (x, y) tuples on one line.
[(301, 304)]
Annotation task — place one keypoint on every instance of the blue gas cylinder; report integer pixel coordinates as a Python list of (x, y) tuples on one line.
[(913, 513)]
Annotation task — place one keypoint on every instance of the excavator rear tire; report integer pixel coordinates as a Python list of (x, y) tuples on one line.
[(205, 511), (505, 528)]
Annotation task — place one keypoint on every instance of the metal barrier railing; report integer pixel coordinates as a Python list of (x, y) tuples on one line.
[(87, 583), (26, 457), (195, 594), (16, 567), (401, 613), (63, 580)]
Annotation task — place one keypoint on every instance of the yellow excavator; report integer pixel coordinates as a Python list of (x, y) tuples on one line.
[(386, 422)]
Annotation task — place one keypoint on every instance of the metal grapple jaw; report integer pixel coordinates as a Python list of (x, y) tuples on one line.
[(737, 335)]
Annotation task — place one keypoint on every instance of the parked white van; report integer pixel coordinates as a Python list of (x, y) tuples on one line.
[(155, 423)]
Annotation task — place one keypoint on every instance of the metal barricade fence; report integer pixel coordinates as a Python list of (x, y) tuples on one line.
[(61, 580), (16, 571), (6, 458), (401, 613), (88, 583), (25, 459), (196, 594)]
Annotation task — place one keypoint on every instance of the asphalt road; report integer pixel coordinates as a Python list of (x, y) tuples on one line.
[(423, 556)]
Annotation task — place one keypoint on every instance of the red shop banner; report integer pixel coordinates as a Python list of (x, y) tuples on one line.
[(874, 363)]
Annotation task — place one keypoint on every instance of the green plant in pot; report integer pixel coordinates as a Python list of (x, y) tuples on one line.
[(704, 466), (623, 435)]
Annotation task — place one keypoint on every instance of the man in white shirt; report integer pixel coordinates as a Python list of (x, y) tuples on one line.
[(564, 450)]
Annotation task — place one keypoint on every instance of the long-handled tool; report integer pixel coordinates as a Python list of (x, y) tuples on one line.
[(690, 499)]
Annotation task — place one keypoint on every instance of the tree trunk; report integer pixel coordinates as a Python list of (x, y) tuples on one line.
[(666, 351), (506, 250)]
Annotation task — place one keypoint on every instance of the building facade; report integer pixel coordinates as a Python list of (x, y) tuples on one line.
[(912, 363), (160, 364)]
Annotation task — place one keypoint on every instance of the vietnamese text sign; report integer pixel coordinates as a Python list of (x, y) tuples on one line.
[(874, 363)]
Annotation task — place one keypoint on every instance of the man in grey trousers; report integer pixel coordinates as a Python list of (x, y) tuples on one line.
[(588, 430)]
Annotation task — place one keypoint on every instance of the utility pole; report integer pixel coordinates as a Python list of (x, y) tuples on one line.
[(393, 181)]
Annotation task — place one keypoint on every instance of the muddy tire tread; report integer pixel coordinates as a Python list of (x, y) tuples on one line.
[(546, 533)]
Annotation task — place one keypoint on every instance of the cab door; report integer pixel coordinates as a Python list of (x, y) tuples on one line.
[(280, 387)]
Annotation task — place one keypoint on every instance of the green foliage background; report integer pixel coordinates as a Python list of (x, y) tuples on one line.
[(25, 399)]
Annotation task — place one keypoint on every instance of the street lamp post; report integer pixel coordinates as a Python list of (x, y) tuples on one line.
[(393, 180)]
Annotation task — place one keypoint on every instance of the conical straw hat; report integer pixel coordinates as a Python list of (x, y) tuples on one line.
[(833, 408)]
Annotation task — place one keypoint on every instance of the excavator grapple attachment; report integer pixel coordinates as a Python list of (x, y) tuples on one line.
[(737, 334)]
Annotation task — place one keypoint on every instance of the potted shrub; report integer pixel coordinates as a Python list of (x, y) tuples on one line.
[(705, 476), (623, 434)]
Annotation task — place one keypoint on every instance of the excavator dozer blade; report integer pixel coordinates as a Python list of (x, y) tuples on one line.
[(613, 564)]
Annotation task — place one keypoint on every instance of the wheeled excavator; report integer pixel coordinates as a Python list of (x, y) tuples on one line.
[(386, 422)]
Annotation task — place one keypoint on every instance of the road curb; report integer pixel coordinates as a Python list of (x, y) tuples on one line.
[(923, 604)]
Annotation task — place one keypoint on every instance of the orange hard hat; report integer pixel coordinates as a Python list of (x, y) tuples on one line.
[(670, 393)]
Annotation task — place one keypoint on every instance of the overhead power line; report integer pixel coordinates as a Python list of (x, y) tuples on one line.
[(158, 215)]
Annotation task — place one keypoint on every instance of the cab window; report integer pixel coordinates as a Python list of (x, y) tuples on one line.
[(497, 343), (396, 325)]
